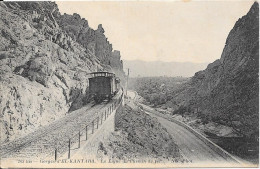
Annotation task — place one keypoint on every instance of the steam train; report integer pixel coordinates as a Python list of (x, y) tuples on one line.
[(103, 85)]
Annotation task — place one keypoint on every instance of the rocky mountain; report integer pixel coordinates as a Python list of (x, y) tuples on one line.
[(159, 68), (45, 61), (93, 40), (227, 91)]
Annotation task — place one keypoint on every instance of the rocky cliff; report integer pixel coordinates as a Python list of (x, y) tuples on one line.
[(227, 91), (94, 41), (45, 59)]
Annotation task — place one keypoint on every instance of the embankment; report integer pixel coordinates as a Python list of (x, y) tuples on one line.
[(138, 136), (209, 143)]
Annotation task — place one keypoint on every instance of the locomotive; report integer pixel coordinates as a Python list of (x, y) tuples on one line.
[(103, 85)]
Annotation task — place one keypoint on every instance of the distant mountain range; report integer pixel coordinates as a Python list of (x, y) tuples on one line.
[(159, 68)]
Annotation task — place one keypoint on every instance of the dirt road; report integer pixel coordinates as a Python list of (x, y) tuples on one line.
[(192, 147)]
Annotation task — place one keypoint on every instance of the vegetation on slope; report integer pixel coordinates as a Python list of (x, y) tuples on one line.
[(158, 91), (139, 136)]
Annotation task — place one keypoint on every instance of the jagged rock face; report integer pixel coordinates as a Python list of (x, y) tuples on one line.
[(103, 47), (44, 71), (77, 28), (116, 61), (227, 91), (94, 40)]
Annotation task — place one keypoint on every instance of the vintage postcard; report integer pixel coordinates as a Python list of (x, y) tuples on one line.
[(129, 84)]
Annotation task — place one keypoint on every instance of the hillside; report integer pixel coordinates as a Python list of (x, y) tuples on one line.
[(227, 90), (157, 91), (223, 100), (45, 59), (159, 68), (138, 136)]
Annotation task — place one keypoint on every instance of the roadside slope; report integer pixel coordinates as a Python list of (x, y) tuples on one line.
[(138, 136)]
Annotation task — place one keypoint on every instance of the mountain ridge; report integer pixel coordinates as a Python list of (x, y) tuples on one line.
[(161, 68)]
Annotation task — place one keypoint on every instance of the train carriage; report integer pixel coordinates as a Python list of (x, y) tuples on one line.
[(103, 85)]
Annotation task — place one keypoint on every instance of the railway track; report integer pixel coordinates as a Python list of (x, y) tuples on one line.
[(43, 142)]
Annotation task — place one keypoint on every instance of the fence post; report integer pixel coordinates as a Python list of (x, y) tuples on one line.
[(69, 150), (92, 126), (101, 118), (97, 121), (55, 154), (79, 139), (86, 132)]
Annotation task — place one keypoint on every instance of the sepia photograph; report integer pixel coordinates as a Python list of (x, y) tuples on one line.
[(129, 84)]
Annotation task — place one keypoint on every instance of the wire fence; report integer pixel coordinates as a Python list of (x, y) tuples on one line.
[(85, 132)]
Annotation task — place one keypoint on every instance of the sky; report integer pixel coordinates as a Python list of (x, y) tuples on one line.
[(170, 31)]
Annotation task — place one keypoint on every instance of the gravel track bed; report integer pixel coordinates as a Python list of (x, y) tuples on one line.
[(42, 143)]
